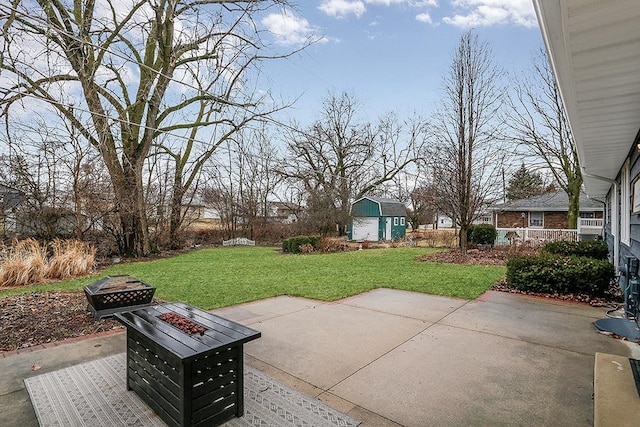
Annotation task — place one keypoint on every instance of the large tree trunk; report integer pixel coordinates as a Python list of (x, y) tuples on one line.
[(573, 191), (464, 244), (131, 210)]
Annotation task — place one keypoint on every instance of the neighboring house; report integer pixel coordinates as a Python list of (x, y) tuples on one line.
[(443, 221), (284, 213), (375, 219), (10, 199), (278, 213), (549, 210)]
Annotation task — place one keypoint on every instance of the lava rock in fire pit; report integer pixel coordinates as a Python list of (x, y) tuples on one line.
[(183, 323)]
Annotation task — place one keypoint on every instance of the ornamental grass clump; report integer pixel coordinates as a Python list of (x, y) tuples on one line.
[(23, 263), (29, 262), (70, 258)]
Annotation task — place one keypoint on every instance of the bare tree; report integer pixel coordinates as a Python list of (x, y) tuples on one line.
[(57, 171), (243, 184), (465, 156), (132, 73), (538, 124), (340, 158)]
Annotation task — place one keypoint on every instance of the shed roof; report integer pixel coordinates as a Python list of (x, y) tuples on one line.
[(388, 207), (555, 201)]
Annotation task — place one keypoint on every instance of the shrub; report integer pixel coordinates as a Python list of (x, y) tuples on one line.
[(484, 234), (588, 248), (293, 244), (551, 273), (329, 244)]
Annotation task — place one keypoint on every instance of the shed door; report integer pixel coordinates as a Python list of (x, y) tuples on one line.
[(365, 229), (387, 235)]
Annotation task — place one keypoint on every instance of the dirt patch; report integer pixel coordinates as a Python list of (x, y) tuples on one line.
[(614, 300), (492, 256), (39, 318)]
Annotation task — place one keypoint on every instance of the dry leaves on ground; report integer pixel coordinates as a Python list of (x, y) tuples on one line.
[(39, 318)]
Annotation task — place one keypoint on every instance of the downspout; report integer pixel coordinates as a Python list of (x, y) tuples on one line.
[(616, 243)]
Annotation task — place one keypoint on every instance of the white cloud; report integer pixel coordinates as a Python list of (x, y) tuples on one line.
[(424, 17), (289, 29), (385, 2), (423, 3), (481, 13), (342, 8)]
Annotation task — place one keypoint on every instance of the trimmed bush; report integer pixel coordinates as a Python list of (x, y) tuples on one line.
[(550, 273), (484, 234), (293, 244), (588, 248)]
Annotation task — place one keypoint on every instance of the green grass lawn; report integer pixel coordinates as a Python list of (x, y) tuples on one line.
[(218, 277)]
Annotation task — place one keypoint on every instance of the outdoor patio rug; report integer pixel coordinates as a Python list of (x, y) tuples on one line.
[(94, 394)]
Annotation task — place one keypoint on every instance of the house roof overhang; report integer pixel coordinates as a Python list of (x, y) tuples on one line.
[(594, 50)]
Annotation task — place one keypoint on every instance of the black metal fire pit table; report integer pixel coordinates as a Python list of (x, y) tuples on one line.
[(185, 363)]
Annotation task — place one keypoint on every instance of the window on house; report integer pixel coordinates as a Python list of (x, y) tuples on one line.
[(401, 220), (586, 215), (536, 219), (395, 220), (625, 205)]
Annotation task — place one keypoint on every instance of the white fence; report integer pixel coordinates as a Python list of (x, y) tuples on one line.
[(238, 241), (533, 236), (539, 236)]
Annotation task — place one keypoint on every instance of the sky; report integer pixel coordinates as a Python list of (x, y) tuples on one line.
[(390, 54)]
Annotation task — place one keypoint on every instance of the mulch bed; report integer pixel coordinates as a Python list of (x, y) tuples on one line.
[(493, 256), (39, 318)]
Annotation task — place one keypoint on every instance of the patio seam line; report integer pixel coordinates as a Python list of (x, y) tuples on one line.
[(396, 314), (520, 339), (322, 390), (397, 346), (275, 316)]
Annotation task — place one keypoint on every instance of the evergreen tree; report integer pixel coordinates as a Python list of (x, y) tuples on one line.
[(525, 184)]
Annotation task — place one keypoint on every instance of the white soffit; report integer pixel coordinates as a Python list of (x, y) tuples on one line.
[(594, 46)]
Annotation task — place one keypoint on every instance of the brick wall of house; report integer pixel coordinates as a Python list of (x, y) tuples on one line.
[(511, 220), (555, 220), (551, 219)]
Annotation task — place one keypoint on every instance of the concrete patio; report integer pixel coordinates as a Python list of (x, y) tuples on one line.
[(392, 358)]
